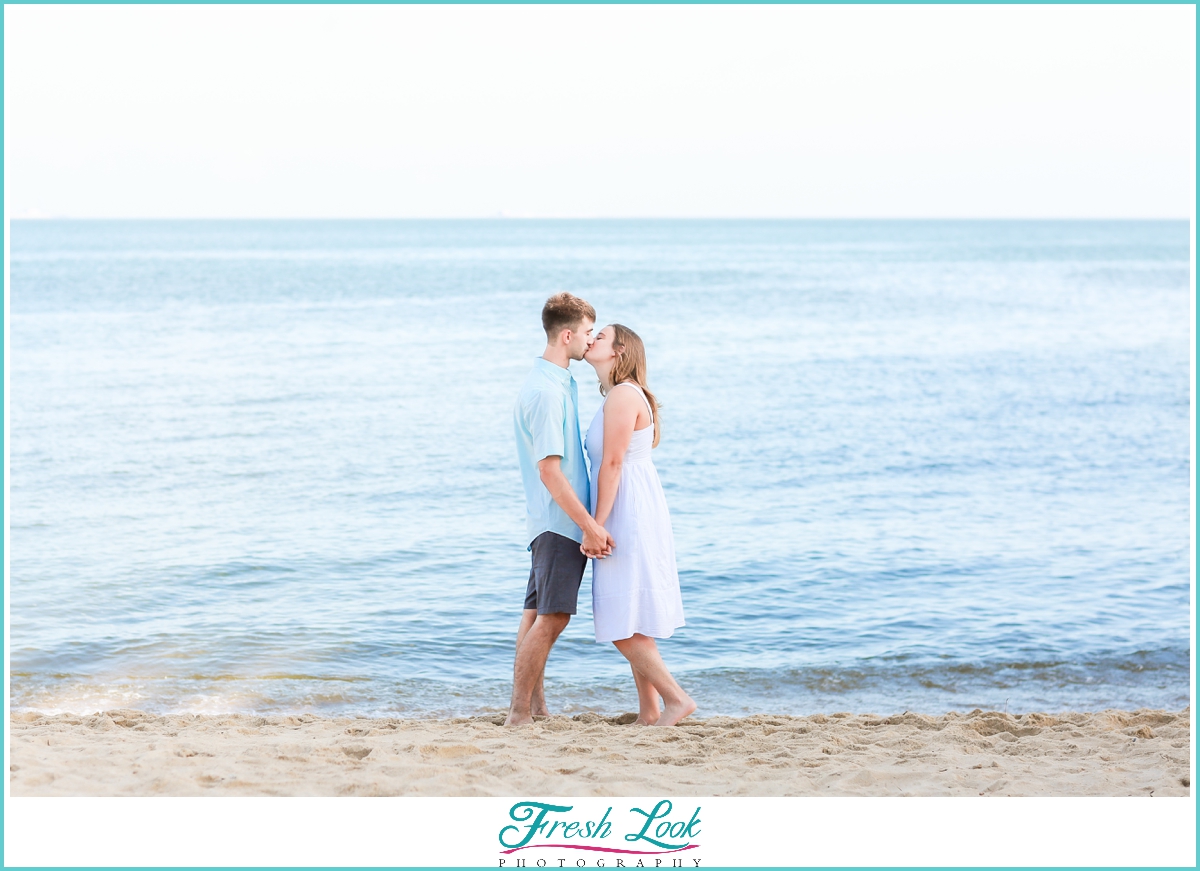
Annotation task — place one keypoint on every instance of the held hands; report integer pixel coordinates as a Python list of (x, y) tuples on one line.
[(597, 543)]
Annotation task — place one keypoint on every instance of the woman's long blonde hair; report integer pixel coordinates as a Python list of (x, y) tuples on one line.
[(630, 365)]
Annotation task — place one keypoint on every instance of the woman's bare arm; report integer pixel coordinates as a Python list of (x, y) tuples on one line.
[(621, 411)]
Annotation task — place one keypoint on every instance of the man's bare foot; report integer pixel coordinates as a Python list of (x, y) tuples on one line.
[(541, 712), (642, 721), (514, 720), (672, 714)]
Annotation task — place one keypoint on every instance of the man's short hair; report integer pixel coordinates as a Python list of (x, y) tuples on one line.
[(565, 312)]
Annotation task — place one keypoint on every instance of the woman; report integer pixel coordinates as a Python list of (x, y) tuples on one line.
[(635, 590)]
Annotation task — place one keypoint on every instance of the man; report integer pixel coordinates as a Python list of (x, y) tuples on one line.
[(560, 528)]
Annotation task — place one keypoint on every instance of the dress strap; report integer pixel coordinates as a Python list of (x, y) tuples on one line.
[(644, 399)]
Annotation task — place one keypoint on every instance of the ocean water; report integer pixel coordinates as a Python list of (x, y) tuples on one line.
[(268, 466)]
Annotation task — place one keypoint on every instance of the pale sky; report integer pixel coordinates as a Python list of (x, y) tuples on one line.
[(609, 111)]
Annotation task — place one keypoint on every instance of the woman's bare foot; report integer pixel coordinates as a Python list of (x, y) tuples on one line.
[(642, 721), (672, 714)]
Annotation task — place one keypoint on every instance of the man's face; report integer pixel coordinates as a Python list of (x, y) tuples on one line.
[(581, 340)]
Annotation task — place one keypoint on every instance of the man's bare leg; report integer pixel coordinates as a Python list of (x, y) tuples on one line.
[(531, 663), (643, 655), (537, 701), (648, 709), (537, 704)]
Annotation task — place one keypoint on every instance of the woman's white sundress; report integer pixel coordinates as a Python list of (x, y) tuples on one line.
[(635, 589)]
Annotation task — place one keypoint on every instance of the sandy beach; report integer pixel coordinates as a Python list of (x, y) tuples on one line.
[(125, 752)]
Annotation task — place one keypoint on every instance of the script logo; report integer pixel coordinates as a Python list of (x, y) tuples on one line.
[(647, 833)]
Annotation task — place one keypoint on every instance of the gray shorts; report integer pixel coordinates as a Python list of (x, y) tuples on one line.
[(556, 574)]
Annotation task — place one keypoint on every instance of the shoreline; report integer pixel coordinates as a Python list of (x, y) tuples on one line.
[(127, 752)]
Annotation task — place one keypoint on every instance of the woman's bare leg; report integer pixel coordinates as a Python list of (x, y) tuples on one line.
[(648, 707), (643, 655)]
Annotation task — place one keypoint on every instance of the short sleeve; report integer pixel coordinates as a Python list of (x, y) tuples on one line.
[(546, 416)]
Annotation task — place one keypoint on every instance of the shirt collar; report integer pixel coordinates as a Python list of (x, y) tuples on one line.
[(555, 371)]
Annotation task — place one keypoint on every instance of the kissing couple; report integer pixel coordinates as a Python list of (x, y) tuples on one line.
[(616, 515)]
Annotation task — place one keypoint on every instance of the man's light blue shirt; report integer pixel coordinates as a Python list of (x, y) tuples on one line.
[(546, 419)]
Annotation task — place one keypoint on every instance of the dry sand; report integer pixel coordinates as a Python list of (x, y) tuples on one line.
[(125, 752)]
